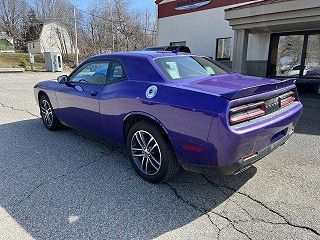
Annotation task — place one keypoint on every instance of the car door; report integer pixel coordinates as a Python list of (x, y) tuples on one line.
[(112, 103), (78, 99)]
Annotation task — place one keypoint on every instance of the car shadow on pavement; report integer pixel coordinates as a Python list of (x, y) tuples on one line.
[(309, 120), (66, 185)]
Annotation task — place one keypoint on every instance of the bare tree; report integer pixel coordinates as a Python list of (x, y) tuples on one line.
[(54, 10), (111, 25), (108, 25), (12, 13), (48, 10)]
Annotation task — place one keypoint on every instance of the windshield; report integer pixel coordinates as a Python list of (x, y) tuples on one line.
[(181, 67)]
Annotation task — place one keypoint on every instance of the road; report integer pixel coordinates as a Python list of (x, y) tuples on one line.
[(68, 185)]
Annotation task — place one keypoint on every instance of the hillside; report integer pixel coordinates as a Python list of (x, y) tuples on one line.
[(13, 60)]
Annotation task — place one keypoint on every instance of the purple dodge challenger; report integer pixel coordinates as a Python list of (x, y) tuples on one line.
[(173, 110)]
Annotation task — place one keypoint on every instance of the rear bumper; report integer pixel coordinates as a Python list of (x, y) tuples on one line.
[(239, 165)]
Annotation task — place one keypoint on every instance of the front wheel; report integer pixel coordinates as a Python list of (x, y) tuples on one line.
[(48, 116), (151, 153)]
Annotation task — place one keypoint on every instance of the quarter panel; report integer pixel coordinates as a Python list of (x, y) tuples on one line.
[(185, 115)]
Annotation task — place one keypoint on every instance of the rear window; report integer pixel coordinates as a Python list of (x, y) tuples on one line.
[(182, 67)]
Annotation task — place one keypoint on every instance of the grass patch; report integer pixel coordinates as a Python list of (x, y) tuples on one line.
[(9, 60)]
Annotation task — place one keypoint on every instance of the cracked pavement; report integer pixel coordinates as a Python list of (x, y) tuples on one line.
[(69, 185)]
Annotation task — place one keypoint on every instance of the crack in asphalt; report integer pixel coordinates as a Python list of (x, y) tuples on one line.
[(225, 227), (175, 191), (111, 148), (75, 133), (205, 211), (232, 224), (34, 189), (238, 204), (19, 110), (287, 222), (195, 207)]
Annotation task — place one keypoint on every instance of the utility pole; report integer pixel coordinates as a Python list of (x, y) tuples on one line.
[(75, 36), (112, 29)]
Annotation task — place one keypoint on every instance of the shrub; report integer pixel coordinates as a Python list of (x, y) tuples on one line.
[(38, 58), (5, 45), (23, 63)]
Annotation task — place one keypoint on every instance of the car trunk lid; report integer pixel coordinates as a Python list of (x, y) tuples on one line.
[(234, 86)]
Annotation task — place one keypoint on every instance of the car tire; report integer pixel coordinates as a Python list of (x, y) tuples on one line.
[(151, 153), (48, 116)]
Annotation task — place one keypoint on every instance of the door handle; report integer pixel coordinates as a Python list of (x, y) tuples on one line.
[(94, 93), (78, 88)]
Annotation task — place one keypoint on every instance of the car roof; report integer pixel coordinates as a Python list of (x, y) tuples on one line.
[(144, 54), (156, 47)]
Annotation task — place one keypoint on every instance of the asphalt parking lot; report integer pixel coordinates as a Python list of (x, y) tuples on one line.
[(68, 185)]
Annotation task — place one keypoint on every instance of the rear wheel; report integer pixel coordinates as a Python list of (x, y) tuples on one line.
[(151, 153), (48, 116)]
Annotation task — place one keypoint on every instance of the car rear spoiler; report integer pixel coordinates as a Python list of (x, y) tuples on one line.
[(245, 92)]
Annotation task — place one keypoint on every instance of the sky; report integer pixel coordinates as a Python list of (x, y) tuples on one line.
[(136, 4), (143, 4)]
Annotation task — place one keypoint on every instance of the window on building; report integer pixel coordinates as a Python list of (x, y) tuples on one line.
[(223, 49), (311, 67), (295, 55), (178, 44)]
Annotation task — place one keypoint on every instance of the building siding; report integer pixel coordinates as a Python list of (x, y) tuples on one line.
[(200, 30), (53, 38)]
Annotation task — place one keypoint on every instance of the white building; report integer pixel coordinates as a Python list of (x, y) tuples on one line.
[(274, 38), (49, 37)]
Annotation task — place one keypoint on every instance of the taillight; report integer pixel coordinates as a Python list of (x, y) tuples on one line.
[(247, 112), (287, 99)]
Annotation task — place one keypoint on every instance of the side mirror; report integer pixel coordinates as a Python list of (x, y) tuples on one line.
[(63, 79)]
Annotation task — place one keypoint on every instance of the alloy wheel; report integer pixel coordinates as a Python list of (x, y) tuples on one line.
[(46, 112), (146, 152)]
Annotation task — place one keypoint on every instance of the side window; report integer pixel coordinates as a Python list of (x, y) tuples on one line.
[(117, 72), (223, 49), (94, 73)]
